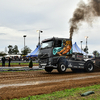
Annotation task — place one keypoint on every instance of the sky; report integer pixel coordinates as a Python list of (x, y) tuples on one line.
[(25, 17)]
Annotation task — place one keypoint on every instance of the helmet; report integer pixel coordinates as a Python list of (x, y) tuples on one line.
[(64, 41)]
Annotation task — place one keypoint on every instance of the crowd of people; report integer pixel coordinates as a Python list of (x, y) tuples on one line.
[(21, 58), (16, 58)]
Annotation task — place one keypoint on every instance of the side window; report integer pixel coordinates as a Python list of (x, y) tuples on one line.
[(58, 43)]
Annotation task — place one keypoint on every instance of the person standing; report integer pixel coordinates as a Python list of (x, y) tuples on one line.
[(9, 61), (3, 61)]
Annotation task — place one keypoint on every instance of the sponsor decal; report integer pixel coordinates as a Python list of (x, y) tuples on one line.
[(43, 64), (70, 65), (81, 64)]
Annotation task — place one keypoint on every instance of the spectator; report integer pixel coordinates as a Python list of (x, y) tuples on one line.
[(3, 61), (9, 61)]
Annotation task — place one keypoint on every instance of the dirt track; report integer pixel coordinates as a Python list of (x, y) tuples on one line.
[(22, 84)]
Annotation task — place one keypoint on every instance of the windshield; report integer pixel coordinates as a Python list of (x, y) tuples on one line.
[(47, 44)]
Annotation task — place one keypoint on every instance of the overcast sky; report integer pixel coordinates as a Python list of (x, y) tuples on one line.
[(25, 17)]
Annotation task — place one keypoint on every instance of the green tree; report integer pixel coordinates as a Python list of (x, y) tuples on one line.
[(25, 50), (10, 51), (15, 49), (96, 53), (2, 53)]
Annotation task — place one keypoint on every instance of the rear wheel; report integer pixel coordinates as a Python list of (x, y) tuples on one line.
[(62, 67), (89, 66), (48, 69)]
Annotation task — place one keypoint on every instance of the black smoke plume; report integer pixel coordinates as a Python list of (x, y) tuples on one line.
[(84, 12)]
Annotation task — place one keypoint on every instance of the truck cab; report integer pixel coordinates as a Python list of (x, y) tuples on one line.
[(57, 53)]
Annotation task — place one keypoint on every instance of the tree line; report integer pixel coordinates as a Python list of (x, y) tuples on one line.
[(14, 50), (25, 50)]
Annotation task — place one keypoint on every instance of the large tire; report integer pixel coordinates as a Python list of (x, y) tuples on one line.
[(62, 65), (89, 66), (48, 69)]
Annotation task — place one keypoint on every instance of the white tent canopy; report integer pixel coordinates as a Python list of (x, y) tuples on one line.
[(77, 49), (35, 52)]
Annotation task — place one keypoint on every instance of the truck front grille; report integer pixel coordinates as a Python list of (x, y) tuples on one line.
[(43, 60), (42, 55)]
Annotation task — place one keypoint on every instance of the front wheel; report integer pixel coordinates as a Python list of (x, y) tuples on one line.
[(89, 66), (62, 67), (48, 69)]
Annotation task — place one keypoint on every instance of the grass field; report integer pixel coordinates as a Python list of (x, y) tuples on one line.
[(19, 64), (69, 94)]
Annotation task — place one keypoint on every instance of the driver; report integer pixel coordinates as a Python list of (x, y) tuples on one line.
[(66, 48)]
